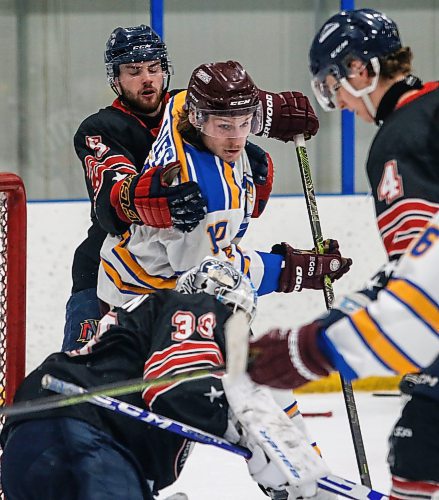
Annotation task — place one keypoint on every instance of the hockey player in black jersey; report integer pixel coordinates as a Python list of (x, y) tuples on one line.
[(116, 140), (88, 452), (358, 63)]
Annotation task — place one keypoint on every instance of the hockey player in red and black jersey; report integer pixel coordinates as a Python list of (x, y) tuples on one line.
[(88, 452), (358, 63), (392, 326), (115, 141)]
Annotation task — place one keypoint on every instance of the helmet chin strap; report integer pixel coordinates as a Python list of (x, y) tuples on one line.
[(366, 91), (369, 105)]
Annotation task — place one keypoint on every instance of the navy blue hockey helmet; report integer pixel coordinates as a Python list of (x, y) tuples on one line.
[(134, 44), (363, 34)]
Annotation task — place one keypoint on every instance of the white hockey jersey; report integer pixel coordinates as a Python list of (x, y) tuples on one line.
[(396, 331), (145, 259)]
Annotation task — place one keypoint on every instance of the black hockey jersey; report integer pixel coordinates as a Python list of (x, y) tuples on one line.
[(427, 384), (111, 141), (403, 169), (162, 334)]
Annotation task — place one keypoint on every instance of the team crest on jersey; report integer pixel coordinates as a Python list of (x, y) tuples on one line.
[(95, 143), (88, 330)]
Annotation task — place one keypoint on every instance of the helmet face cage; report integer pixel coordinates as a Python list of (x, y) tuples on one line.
[(363, 34), (227, 123), (135, 44), (223, 281)]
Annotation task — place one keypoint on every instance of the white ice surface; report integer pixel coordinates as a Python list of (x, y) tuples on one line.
[(54, 231)]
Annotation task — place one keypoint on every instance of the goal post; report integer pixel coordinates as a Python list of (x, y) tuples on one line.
[(12, 284)]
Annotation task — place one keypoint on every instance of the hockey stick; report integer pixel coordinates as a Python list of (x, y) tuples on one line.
[(330, 483), (348, 392), (116, 389), (60, 386)]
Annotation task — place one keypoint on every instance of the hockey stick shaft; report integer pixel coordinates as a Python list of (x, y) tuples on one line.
[(56, 385), (116, 389), (314, 219), (331, 483)]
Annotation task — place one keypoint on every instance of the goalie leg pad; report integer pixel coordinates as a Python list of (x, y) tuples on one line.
[(268, 427)]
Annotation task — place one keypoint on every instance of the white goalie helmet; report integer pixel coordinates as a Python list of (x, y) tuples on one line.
[(222, 280)]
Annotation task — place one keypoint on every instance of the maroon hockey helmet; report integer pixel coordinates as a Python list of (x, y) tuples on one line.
[(223, 89)]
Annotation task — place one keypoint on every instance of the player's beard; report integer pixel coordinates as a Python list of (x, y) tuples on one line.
[(137, 102)]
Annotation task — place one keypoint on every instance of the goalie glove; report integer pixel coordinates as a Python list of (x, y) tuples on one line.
[(307, 269), (286, 115), (288, 359), (149, 198)]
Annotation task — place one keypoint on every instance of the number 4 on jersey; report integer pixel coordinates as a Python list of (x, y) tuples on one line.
[(390, 186)]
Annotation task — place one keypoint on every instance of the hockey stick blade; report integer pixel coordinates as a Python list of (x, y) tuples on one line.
[(326, 414), (349, 489), (385, 394), (116, 389)]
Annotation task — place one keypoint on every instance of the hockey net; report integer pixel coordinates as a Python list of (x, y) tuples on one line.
[(12, 284)]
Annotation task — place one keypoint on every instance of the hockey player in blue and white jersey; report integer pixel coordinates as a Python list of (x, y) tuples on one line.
[(202, 141), (391, 327)]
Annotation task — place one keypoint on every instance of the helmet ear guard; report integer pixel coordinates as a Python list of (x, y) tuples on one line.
[(326, 96), (223, 281)]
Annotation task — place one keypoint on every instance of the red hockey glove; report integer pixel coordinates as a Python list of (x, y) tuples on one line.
[(287, 114), (307, 269), (263, 174), (150, 199), (288, 359)]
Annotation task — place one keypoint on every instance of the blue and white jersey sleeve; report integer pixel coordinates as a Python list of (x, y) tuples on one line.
[(145, 259), (397, 329)]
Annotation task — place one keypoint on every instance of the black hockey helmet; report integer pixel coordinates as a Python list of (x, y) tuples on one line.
[(134, 44), (221, 279), (363, 34), (225, 89)]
